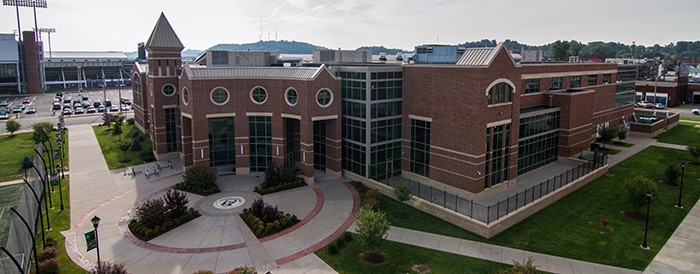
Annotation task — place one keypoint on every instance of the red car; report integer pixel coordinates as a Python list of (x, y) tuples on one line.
[(26, 101)]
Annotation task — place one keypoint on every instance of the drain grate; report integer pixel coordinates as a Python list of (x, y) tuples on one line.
[(420, 268)]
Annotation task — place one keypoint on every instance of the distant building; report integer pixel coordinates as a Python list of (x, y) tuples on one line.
[(529, 56), (438, 54), (342, 56), (78, 70)]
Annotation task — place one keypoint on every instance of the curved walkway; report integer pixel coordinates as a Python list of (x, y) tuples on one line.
[(218, 241)]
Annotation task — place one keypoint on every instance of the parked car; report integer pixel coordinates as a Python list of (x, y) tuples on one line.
[(67, 99), (26, 101), (66, 111), (108, 103), (100, 108), (648, 105), (17, 109), (113, 108), (56, 106), (79, 110), (77, 105), (4, 114), (696, 111), (85, 97), (90, 109), (30, 110), (86, 104), (59, 94), (56, 99), (4, 103), (125, 107), (660, 106), (96, 104), (125, 101)]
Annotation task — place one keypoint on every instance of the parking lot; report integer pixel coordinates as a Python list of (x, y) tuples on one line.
[(43, 102)]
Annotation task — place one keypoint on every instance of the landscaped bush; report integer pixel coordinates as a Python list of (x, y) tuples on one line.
[(242, 270), (279, 179), (199, 180), (264, 219), (402, 191), (147, 156), (637, 189), (130, 121), (107, 267), (672, 173), (332, 249), (47, 253), (347, 236), (135, 145), (372, 198), (49, 266), (159, 215)]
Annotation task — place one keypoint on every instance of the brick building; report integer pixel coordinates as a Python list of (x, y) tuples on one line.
[(471, 124)]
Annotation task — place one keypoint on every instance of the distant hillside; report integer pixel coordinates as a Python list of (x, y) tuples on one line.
[(379, 49), (283, 46)]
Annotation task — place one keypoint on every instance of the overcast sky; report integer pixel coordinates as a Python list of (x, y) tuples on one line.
[(119, 25)]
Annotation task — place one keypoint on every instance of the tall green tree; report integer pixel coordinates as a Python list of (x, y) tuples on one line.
[(11, 126), (560, 50), (575, 48), (637, 189), (372, 227)]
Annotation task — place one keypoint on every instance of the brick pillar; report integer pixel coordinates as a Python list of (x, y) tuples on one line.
[(333, 148), (306, 135), (31, 63), (186, 142)]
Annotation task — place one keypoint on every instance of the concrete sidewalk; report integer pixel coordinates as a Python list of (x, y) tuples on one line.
[(219, 241)]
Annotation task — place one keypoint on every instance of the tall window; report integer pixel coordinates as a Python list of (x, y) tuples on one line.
[(497, 152), (222, 148), (319, 145), (592, 80), (420, 147), (171, 115), (260, 128), (575, 81), (137, 89), (539, 138), (500, 93), (532, 85), (555, 83)]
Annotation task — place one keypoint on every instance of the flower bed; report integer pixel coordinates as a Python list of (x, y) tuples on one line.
[(199, 180), (265, 220), (157, 216), (279, 179)]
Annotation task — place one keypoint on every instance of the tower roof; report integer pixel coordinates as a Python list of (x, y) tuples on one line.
[(163, 36)]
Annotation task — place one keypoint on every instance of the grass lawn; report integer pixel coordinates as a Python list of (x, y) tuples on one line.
[(690, 119), (619, 144), (60, 221), (608, 150), (9, 197), (572, 227), (114, 156), (14, 148), (401, 257), (684, 134)]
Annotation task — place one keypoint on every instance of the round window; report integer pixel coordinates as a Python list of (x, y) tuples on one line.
[(324, 97), (185, 96), (292, 96), (168, 90), (258, 95), (219, 96)]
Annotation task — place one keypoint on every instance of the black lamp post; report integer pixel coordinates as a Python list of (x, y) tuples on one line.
[(680, 192), (646, 228), (96, 222)]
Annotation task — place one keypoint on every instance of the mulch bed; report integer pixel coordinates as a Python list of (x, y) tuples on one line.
[(372, 257)]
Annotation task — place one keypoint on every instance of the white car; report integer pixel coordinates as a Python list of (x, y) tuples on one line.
[(696, 111)]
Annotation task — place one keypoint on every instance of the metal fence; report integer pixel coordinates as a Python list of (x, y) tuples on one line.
[(19, 240), (493, 212)]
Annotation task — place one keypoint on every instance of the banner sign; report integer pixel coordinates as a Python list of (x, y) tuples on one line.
[(91, 240)]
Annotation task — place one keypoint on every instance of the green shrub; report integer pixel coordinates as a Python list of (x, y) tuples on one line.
[(107, 267), (672, 173), (147, 156), (50, 241), (11, 126), (637, 189), (340, 242), (151, 212), (130, 121), (117, 129), (347, 236), (49, 266), (372, 194), (332, 249), (135, 145), (176, 203), (402, 191), (47, 253), (373, 203), (199, 176)]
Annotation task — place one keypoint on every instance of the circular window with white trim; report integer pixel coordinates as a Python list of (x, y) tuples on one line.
[(219, 96), (185, 96), (324, 97), (291, 96), (258, 95), (168, 90)]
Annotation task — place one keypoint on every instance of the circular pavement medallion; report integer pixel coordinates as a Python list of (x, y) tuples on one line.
[(229, 202)]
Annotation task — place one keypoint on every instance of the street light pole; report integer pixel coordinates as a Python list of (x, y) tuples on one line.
[(680, 191), (646, 227), (96, 222)]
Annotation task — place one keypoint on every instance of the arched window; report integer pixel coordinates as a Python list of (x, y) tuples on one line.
[(136, 89), (501, 92)]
